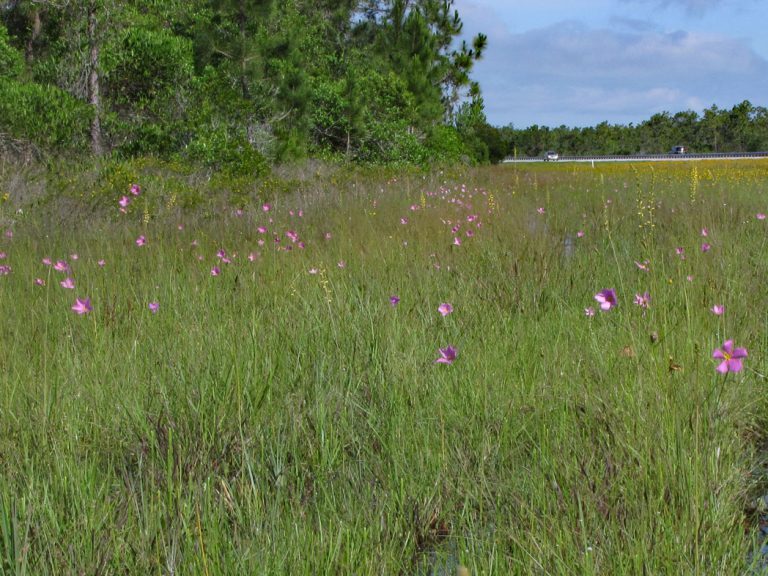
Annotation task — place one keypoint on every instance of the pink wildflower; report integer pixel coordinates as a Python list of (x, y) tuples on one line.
[(82, 306), (606, 298), (643, 300), (447, 355), (730, 356)]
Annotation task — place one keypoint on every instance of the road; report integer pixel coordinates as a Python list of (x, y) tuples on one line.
[(647, 157)]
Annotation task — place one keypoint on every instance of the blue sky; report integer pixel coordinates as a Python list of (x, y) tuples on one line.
[(581, 62)]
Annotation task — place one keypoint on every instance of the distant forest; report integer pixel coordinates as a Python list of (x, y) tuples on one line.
[(238, 85), (743, 128)]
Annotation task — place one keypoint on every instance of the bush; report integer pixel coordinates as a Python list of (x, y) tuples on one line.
[(11, 62), (44, 115), (233, 154)]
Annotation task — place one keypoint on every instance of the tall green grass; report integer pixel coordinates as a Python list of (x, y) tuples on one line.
[(284, 418)]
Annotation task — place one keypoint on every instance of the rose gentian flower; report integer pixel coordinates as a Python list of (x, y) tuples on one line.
[(606, 298)]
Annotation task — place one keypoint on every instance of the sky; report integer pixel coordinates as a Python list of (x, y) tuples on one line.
[(582, 62)]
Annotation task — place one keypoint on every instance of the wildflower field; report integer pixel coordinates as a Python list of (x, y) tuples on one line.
[(507, 370)]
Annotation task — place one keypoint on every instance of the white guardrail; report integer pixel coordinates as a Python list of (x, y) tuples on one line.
[(643, 157)]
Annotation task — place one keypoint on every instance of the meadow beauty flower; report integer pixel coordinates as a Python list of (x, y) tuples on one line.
[(445, 308), (39, 282), (101, 263), (760, 216), (643, 300), (253, 256), (135, 189), (341, 264), (82, 306), (447, 355), (3, 255), (705, 247), (540, 210), (261, 230), (704, 232), (61, 266), (730, 356), (154, 307), (394, 300), (643, 266), (606, 298), (67, 283), (457, 241), (266, 207), (717, 309), (403, 221), (215, 271), (589, 312), (680, 252), (580, 234), (141, 241), (124, 201), (5, 270), (47, 261)]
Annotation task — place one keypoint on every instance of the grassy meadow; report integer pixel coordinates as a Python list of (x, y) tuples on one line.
[(254, 389)]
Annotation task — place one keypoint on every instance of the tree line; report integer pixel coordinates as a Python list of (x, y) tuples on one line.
[(743, 128), (236, 84)]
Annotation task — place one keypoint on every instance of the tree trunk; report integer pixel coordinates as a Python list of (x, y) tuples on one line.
[(37, 27), (94, 96)]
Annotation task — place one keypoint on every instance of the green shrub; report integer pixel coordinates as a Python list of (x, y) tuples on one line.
[(44, 115), (233, 154), (11, 62)]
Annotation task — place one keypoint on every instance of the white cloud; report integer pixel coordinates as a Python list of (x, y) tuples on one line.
[(573, 74), (694, 7)]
